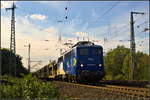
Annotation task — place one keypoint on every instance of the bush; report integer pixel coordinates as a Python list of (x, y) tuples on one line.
[(28, 87)]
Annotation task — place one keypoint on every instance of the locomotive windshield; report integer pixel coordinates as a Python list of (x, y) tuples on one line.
[(84, 51), (89, 51), (96, 51), (90, 55)]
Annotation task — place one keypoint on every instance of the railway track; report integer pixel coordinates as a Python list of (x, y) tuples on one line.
[(127, 92), (130, 83), (111, 91)]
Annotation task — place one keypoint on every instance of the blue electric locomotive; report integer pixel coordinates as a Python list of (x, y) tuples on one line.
[(84, 62)]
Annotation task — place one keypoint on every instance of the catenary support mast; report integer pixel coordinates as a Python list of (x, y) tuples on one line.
[(132, 45), (12, 60)]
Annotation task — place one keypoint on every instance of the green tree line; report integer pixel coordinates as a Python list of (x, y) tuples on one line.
[(9, 69), (118, 64)]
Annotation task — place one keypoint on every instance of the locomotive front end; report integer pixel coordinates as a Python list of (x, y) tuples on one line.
[(90, 63)]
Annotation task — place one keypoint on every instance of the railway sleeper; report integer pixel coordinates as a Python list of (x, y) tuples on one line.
[(126, 92), (133, 93)]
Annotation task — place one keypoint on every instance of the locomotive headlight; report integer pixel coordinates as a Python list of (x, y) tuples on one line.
[(100, 65), (81, 65)]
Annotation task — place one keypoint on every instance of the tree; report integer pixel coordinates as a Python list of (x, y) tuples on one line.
[(5, 63), (118, 64), (141, 65), (114, 60)]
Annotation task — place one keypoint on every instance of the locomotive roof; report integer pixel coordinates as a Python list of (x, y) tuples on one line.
[(81, 44), (89, 46), (84, 43)]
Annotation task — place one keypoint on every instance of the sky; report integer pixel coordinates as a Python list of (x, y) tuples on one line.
[(40, 23)]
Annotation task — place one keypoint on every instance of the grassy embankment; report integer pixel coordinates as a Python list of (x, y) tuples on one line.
[(27, 87)]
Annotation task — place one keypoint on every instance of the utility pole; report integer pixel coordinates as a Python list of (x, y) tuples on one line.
[(78, 38), (12, 40), (60, 39), (29, 63), (29, 59), (132, 45)]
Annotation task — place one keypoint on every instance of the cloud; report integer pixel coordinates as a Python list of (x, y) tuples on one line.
[(51, 30), (38, 17), (6, 4)]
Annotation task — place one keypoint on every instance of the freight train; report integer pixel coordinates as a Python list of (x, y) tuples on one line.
[(82, 63)]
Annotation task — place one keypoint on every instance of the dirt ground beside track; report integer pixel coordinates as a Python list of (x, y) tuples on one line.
[(78, 92)]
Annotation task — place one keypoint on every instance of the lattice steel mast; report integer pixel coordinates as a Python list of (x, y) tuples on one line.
[(12, 38)]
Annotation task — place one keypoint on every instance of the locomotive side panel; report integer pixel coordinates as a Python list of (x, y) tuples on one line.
[(69, 63)]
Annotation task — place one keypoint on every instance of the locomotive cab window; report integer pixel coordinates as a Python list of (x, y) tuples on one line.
[(96, 51), (83, 51)]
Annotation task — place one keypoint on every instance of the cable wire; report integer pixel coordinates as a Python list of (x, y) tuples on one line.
[(107, 11)]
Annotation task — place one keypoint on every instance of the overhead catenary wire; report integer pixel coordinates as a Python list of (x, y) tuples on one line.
[(122, 31), (118, 31), (143, 29), (137, 19), (106, 39), (98, 18), (67, 7), (113, 39), (140, 33), (137, 26), (107, 11)]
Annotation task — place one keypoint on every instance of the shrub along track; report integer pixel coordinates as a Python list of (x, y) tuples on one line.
[(73, 90)]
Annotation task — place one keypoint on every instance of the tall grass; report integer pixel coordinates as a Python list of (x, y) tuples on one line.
[(28, 87)]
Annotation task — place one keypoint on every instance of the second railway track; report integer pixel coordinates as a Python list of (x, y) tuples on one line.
[(111, 91)]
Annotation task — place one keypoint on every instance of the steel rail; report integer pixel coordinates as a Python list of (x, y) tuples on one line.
[(119, 91)]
